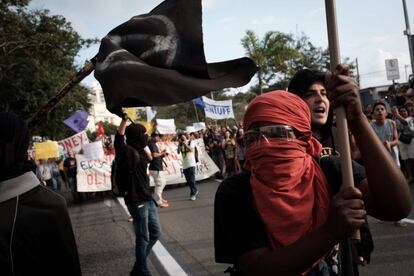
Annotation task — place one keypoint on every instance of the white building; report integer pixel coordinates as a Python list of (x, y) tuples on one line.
[(98, 111)]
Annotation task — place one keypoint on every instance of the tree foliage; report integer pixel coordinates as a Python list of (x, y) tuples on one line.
[(279, 56), (37, 52)]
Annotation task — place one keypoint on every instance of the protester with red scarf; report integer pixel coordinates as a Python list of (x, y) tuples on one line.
[(290, 191), (303, 211)]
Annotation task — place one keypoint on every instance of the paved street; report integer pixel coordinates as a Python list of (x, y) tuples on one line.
[(106, 240)]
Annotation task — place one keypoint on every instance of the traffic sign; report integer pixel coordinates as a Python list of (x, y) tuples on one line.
[(393, 72)]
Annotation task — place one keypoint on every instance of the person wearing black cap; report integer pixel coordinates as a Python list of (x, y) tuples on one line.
[(132, 156), (156, 169), (310, 86), (36, 235)]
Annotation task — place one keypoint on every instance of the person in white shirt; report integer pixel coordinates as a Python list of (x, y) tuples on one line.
[(187, 149), (44, 173)]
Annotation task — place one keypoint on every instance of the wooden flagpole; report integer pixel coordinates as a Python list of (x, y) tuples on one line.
[(341, 123), (51, 104)]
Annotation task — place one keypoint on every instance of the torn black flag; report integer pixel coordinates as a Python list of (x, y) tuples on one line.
[(158, 59)]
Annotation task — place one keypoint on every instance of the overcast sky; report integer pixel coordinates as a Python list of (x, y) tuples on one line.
[(370, 30)]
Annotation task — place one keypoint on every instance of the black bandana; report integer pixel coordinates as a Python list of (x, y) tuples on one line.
[(136, 137)]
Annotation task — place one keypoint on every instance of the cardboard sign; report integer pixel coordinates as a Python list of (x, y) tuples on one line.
[(46, 150)]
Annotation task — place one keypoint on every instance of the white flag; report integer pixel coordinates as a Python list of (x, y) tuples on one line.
[(150, 113)]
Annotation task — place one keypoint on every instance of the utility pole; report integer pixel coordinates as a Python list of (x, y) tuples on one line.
[(407, 32), (406, 75), (357, 76)]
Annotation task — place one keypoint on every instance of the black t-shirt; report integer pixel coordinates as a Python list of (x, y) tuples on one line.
[(156, 162), (70, 165), (237, 226)]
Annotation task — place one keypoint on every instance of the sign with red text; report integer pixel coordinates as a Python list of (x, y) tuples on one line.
[(94, 175), (75, 142), (173, 163)]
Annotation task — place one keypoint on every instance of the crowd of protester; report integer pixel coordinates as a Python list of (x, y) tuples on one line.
[(392, 119)]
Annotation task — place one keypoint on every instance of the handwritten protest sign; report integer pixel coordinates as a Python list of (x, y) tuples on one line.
[(166, 126), (189, 129), (199, 126), (173, 169), (75, 142), (94, 175), (93, 150), (46, 150)]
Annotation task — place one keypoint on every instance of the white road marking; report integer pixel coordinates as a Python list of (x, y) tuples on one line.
[(169, 264), (408, 220)]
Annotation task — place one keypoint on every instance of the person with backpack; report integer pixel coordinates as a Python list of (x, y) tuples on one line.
[(132, 179), (290, 209)]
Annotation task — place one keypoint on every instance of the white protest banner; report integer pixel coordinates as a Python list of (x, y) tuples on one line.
[(189, 129), (94, 175), (75, 142), (199, 126), (93, 150), (166, 126), (218, 109), (173, 169)]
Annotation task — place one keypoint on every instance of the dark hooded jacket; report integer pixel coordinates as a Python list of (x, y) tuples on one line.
[(132, 164), (36, 236)]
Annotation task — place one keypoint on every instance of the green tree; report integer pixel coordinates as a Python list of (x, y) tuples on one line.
[(273, 55), (37, 52), (280, 56)]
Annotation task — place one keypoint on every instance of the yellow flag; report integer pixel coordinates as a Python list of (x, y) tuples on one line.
[(132, 113), (147, 125), (46, 150)]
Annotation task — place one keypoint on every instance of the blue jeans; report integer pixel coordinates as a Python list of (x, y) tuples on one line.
[(147, 232), (189, 174)]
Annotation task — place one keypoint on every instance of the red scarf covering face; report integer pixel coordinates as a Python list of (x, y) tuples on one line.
[(290, 191)]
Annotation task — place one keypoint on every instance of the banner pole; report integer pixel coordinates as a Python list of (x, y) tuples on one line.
[(51, 104), (341, 122)]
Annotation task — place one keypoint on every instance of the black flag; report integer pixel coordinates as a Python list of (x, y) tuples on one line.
[(158, 59)]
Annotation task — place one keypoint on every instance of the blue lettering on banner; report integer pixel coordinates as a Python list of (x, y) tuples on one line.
[(217, 109)]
